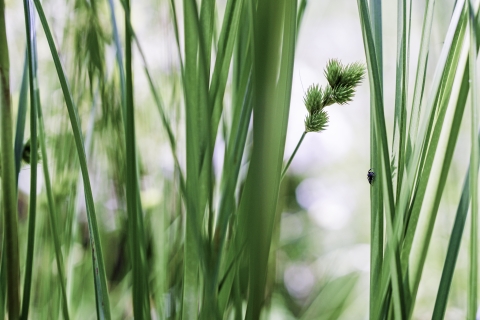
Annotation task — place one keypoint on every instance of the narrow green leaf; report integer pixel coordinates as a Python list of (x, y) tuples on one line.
[(9, 190), (392, 253), (140, 292), (473, 263), (101, 292), (33, 86), (21, 116)]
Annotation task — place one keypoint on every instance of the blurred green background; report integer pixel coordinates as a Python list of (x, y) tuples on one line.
[(321, 248)]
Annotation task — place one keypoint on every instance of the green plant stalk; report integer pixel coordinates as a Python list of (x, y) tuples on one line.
[(473, 265), (8, 176), (195, 146), (99, 276), (52, 213), (274, 28), (3, 281), (380, 128), (30, 27), (417, 238), (140, 294), (293, 155), (376, 194), (462, 209), (421, 72), (21, 116)]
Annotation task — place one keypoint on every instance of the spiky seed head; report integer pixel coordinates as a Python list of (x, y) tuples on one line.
[(353, 74), (343, 94), (313, 98), (328, 96), (333, 72), (316, 122)]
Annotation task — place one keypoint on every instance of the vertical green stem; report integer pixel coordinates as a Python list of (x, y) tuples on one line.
[(473, 277), (8, 177), (139, 273), (293, 155), (29, 26)]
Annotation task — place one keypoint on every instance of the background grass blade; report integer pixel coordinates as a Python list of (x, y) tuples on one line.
[(140, 294), (101, 292), (30, 27), (392, 253), (473, 265), (21, 116), (9, 194), (270, 109)]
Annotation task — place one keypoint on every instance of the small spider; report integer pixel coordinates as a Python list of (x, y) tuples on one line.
[(370, 176)]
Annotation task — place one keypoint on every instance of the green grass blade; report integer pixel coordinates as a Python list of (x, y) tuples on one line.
[(274, 31), (376, 194), (392, 254), (473, 265), (21, 116), (140, 294), (453, 249), (33, 83), (177, 36), (101, 292), (118, 54), (3, 282), (163, 116), (421, 71), (226, 43), (401, 93), (9, 191), (300, 13), (376, 20), (52, 213), (456, 235), (192, 256), (417, 239)]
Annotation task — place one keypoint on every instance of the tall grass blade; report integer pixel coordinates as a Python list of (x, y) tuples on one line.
[(473, 265), (453, 249), (9, 191), (21, 116), (274, 29), (52, 213), (101, 292), (452, 252), (376, 195), (194, 134), (417, 238), (140, 295), (33, 83), (421, 73), (226, 42), (392, 254)]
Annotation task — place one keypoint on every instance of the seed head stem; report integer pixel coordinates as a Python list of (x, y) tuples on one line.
[(293, 155)]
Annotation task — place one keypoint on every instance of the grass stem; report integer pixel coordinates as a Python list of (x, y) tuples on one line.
[(293, 155)]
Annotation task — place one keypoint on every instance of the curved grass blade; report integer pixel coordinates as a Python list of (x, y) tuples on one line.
[(101, 291), (392, 258), (473, 265), (454, 244), (21, 116), (417, 238), (300, 12), (53, 214), (140, 294), (223, 59), (376, 194), (9, 190), (453, 249), (30, 27), (274, 24)]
